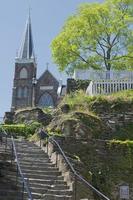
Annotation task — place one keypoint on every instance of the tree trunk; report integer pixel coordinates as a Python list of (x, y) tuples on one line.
[(108, 74), (108, 64)]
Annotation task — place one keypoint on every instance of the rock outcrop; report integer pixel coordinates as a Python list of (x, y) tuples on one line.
[(78, 125), (28, 116)]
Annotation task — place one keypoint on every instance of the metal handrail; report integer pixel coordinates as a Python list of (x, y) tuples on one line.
[(5, 134), (25, 185), (20, 171), (74, 171)]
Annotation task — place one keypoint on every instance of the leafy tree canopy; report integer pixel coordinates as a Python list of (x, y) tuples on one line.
[(99, 35)]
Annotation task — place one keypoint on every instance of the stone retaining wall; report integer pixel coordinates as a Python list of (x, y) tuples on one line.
[(73, 85)]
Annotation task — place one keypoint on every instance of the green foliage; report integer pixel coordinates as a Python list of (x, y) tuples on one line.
[(116, 101), (74, 85), (21, 129), (77, 100), (126, 146), (118, 143), (48, 110), (116, 104), (98, 35), (124, 132)]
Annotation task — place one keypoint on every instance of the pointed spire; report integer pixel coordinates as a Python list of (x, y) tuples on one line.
[(26, 50)]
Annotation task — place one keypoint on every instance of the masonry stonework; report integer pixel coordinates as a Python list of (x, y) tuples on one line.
[(28, 91)]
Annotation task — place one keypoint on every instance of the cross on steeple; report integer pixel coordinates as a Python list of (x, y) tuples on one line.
[(29, 10), (47, 65)]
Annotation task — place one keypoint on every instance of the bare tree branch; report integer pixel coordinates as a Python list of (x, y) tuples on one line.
[(81, 58)]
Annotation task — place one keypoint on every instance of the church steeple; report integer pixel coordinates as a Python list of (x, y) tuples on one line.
[(26, 51), (25, 72)]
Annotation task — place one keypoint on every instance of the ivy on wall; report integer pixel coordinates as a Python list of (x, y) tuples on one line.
[(74, 85)]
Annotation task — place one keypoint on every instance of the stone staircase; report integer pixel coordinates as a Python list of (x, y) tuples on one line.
[(44, 179)]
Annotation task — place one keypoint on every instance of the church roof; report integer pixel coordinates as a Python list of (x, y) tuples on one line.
[(47, 74), (26, 50)]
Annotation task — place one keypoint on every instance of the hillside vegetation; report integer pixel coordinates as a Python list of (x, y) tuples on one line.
[(96, 133), (103, 117), (81, 101), (98, 138)]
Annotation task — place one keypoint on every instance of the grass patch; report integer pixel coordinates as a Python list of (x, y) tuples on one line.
[(81, 101)]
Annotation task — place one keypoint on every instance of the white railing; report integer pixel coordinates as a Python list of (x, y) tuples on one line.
[(100, 74), (108, 86)]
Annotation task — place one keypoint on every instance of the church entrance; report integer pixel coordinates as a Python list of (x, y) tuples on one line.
[(46, 100)]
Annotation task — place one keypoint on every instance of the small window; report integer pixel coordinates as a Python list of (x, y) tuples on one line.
[(23, 73)]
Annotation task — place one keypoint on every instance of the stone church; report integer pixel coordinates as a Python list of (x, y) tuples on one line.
[(28, 90)]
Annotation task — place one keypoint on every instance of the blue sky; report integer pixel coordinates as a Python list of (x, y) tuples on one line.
[(48, 17)]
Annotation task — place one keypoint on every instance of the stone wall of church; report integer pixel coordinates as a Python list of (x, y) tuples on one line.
[(47, 84), (19, 82)]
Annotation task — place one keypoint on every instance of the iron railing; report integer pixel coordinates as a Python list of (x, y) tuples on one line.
[(3, 135), (25, 186), (76, 175)]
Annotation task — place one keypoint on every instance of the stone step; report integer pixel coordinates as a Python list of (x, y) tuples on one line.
[(45, 188), (12, 197), (36, 195), (25, 147), (9, 176), (46, 181), (43, 172), (33, 160), (39, 154), (10, 194), (43, 193), (56, 197), (30, 150), (40, 190), (41, 176), (59, 192), (32, 164), (39, 168), (8, 186), (62, 186), (32, 154), (31, 147), (3, 149)]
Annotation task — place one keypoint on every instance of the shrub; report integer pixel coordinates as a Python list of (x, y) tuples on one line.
[(21, 129)]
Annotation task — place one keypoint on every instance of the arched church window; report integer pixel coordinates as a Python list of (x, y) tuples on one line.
[(25, 92), (19, 92), (23, 73), (22, 92), (46, 100)]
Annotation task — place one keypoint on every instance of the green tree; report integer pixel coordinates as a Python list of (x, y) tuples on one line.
[(99, 35)]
